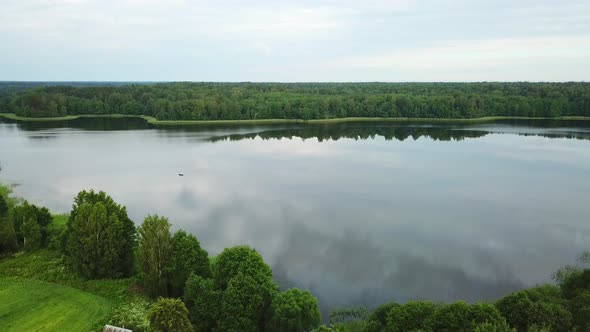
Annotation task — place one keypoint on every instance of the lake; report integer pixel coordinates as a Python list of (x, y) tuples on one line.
[(359, 213)]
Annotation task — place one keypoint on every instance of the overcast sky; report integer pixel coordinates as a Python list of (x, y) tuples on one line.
[(273, 40)]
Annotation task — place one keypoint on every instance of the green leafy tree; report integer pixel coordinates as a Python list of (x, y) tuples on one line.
[(3, 207), (580, 308), (247, 286), (294, 310), (169, 315), (203, 300), (8, 241), (540, 306), (187, 257), (44, 220), (501, 326), (154, 250), (21, 215), (237, 298), (461, 316), (238, 259), (30, 224), (563, 273), (412, 316), (246, 301), (348, 314), (100, 237), (576, 283), (31, 233), (377, 321)]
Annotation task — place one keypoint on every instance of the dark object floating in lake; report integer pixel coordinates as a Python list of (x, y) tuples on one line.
[(180, 174)]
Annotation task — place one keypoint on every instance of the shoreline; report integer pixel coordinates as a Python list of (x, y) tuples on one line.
[(153, 121)]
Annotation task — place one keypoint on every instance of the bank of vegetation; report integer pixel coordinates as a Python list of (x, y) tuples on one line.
[(301, 101), (93, 266)]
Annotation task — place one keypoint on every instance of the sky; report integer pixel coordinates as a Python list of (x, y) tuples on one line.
[(286, 41)]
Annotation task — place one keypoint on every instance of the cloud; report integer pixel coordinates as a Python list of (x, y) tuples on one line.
[(476, 54), (229, 40)]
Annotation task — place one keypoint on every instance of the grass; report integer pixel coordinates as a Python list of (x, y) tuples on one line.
[(155, 121), (13, 116), (48, 265), (40, 292), (33, 305)]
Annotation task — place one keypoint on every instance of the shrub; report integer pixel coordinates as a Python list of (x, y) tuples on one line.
[(132, 315), (169, 315)]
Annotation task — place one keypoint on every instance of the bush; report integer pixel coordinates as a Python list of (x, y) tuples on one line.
[(132, 315), (169, 315)]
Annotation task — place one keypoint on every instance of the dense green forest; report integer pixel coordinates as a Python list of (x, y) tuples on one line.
[(156, 280), (303, 101)]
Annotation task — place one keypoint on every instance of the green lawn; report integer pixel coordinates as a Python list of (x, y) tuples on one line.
[(154, 121), (33, 305)]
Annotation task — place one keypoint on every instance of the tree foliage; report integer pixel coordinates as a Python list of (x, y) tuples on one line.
[(238, 296), (304, 101), (24, 226), (3, 207), (132, 315), (412, 316), (203, 300), (154, 251), (460, 316), (247, 286), (187, 258), (101, 237), (540, 306), (169, 315), (348, 314), (294, 310), (578, 282), (377, 321)]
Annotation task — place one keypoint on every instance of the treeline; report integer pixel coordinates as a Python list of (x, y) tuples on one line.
[(235, 290), (305, 101)]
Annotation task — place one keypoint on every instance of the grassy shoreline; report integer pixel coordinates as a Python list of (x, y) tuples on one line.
[(154, 121)]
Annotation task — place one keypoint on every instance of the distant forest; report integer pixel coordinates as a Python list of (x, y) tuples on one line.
[(302, 101)]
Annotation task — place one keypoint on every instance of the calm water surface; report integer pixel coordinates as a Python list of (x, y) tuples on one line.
[(358, 213)]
